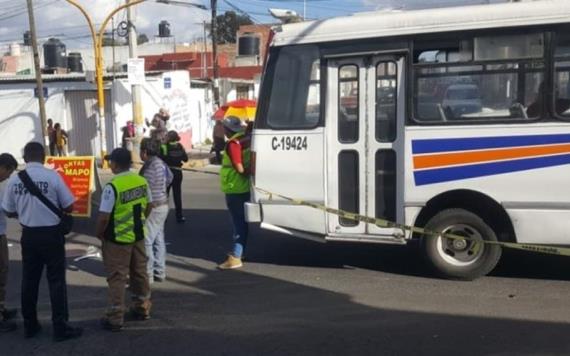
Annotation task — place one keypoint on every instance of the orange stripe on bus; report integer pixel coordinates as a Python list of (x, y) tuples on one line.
[(449, 159)]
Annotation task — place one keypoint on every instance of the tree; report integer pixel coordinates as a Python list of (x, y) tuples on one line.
[(227, 26), (142, 38)]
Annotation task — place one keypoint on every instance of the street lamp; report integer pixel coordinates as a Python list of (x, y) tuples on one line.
[(285, 15), (98, 51)]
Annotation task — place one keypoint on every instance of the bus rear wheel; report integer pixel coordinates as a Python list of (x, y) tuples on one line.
[(456, 258)]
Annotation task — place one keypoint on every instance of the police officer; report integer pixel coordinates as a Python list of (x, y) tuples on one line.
[(43, 243), (125, 204), (8, 165), (174, 155)]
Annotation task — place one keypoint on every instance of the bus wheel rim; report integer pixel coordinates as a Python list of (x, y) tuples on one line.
[(461, 252)]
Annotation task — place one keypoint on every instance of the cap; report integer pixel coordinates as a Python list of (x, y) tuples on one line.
[(233, 124), (121, 156)]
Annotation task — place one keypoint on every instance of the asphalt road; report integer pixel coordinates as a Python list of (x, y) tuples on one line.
[(296, 297)]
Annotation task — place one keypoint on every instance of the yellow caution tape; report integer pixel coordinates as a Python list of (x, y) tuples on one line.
[(550, 250)]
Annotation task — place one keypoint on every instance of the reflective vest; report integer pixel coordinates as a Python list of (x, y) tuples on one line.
[(230, 180), (126, 225)]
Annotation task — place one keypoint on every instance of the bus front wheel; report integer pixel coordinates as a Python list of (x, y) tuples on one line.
[(455, 257)]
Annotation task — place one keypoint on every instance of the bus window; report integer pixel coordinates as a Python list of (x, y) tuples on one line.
[(348, 185), (386, 91), (348, 107), (562, 75), (294, 98), (500, 79)]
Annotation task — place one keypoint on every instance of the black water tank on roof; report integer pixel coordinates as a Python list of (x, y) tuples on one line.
[(27, 38), (163, 29), (54, 54), (74, 62), (248, 46)]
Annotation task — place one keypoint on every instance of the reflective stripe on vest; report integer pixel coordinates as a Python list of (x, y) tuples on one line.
[(231, 182), (127, 219)]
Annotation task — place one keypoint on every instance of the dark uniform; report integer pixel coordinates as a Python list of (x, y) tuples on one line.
[(174, 154), (43, 244)]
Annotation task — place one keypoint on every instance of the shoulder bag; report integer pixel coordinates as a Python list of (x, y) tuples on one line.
[(66, 220)]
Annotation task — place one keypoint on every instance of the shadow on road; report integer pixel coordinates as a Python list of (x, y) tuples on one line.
[(207, 235), (240, 313)]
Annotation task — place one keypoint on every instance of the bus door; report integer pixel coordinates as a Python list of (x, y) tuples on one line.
[(365, 143)]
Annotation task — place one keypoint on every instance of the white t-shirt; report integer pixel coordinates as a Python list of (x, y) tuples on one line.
[(108, 197), (31, 211)]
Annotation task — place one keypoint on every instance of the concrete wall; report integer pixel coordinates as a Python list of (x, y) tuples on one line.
[(19, 118), (188, 107)]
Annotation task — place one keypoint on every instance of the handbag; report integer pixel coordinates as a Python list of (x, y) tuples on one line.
[(66, 220)]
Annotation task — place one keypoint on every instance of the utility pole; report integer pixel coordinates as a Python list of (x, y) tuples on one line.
[(214, 4), (39, 83), (205, 55), (136, 91), (113, 42)]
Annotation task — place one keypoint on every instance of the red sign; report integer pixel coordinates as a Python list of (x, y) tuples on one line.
[(77, 173)]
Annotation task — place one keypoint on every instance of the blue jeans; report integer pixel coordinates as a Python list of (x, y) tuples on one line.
[(235, 203), (154, 242)]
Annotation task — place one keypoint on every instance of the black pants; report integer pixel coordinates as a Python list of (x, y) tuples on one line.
[(44, 246), (177, 191), (218, 146)]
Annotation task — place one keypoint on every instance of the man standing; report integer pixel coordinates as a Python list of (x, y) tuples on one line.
[(43, 243), (159, 178), (234, 176), (219, 140), (8, 165), (159, 125), (125, 204), (174, 154), (51, 137)]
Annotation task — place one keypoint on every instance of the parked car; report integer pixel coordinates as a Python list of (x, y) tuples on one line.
[(461, 99)]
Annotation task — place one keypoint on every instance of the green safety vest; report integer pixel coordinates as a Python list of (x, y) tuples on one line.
[(230, 180), (127, 222)]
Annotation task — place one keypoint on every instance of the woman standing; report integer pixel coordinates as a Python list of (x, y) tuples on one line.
[(234, 181), (174, 154)]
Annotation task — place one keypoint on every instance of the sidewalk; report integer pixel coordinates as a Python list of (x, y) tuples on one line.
[(199, 157)]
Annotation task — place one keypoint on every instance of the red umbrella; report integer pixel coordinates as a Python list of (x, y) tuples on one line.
[(233, 108)]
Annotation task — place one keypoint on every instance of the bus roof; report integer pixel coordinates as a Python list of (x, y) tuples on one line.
[(396, 23)]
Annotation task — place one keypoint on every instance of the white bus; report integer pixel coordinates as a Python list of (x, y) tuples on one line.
[(452, 119)]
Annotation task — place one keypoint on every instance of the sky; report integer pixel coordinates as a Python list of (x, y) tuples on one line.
[(57, 18)]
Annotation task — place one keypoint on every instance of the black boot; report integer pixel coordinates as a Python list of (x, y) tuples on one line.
[(67, 332), (7, 326)]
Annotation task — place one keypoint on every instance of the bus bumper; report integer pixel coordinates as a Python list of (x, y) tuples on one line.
[(252, 213)]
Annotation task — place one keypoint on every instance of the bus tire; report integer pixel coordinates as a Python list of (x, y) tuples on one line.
[(460, 259)]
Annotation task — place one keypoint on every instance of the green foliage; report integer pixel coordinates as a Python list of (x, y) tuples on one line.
[(142, 38), (227, 26)]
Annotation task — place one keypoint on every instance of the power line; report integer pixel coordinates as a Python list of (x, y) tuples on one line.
[(20, 11)]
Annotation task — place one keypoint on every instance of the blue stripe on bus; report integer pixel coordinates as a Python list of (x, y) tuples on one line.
[(478, 143), (487, 169)]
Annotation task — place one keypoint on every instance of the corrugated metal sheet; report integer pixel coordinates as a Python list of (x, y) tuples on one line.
[(82, 122)]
